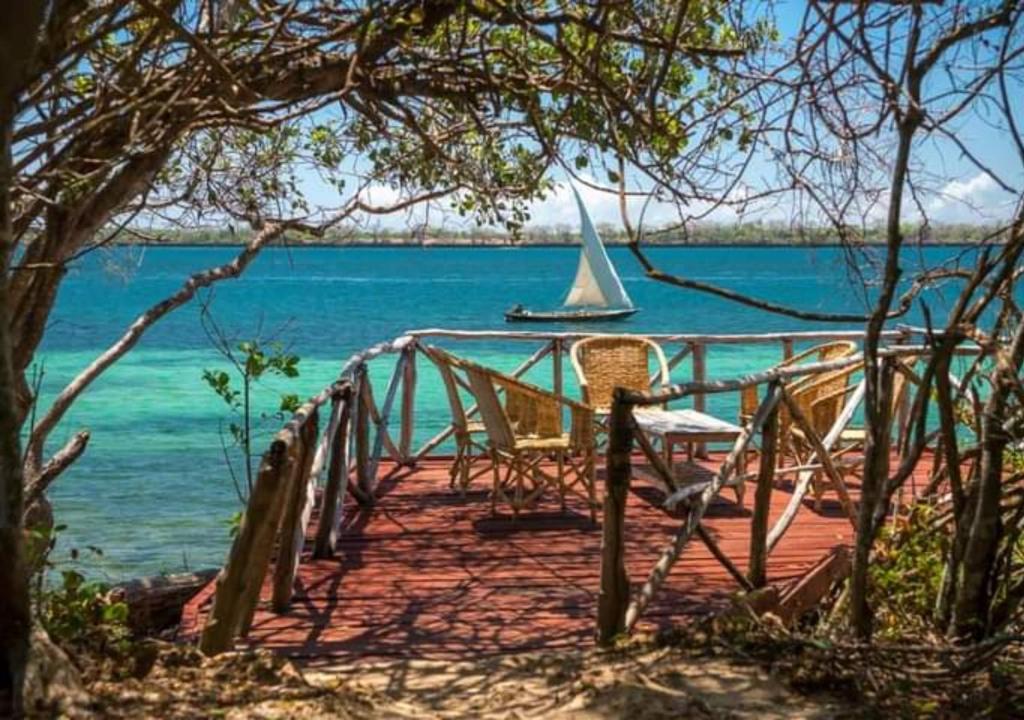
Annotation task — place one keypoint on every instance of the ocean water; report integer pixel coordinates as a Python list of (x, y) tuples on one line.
[(153, 492)]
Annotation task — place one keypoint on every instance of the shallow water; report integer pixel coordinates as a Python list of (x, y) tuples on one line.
[(152, 490)]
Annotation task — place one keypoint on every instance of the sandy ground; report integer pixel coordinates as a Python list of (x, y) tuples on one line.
[(636, 683)]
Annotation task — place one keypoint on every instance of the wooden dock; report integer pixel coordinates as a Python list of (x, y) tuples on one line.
[(425, 573), (403, 567)]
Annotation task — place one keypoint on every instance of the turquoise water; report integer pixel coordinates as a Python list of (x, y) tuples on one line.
[(152, 490)]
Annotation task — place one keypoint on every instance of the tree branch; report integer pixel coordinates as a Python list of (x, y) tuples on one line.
[(127, 341)]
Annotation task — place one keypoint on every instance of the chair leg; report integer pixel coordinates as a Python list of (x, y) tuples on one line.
[(517, 498), (591, 481), (497, 483), (456, 468), (741, 483), (561, 479), (816, 488)]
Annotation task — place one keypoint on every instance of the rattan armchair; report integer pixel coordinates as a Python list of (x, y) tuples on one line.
[(749, 399), (525, 436), (472, 457), (605, 362), (852, 438), (820, 399)]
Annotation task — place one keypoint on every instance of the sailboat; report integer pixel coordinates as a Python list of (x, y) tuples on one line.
[(596, 293)]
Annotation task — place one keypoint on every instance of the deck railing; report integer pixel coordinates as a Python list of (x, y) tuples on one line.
[(343, 457)]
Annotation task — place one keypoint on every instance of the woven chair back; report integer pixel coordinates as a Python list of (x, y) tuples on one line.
[(822, 399), (531, 412), (749, 399), (605, 362)]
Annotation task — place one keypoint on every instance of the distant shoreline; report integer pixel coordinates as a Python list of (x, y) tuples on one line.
[(739, 236), (441, 245)]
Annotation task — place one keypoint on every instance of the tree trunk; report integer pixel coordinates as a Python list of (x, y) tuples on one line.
[(974, 595), (875, 404), (876, 472), (613, 598), (18, 35)]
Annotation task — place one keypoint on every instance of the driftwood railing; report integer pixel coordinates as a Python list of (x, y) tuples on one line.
[(618, 608), (338, 440), (280, 506)]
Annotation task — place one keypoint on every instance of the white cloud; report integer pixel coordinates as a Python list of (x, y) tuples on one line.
[(602, 203), (976, 186), (975, 199)]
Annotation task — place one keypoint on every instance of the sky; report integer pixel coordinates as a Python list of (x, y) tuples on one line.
[(961, 192)]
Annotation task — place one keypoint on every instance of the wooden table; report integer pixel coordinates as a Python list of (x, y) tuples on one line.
[(679, 427)]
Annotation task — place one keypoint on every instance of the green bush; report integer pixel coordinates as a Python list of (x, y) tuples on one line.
[(78, 613), (906, 572)]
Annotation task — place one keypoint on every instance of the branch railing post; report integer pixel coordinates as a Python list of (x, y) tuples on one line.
[(408, 406), (382, 418), (556, 367), (787, 348), (613, 599), (296, 512), (239, 581), (333, 499), (700, 373), (364, 481), (757, 572)]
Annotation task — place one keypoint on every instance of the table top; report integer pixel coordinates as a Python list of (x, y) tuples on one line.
[(682, 422)]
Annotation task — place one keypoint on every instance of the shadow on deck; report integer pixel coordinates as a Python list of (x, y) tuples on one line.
[(428, 574)]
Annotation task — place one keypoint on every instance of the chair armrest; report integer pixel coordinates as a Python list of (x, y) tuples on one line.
[(581, 377)]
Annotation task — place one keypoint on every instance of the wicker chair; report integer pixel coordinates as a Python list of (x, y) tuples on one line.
[(605, 362), (749, 399), (525, 433), (821, 399), (470, 435), (852, 439)]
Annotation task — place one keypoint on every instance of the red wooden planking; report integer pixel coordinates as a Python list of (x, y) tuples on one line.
[(426, 573)]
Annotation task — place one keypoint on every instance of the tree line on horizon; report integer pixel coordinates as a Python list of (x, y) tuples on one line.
[(753, 233)]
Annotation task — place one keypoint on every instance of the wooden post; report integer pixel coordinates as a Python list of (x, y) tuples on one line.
[(239, 582), (613, 599), (700, 375), (362, 437), (382, 418), (556, 367), (333, 503), (757, 573), (298, 503), (408, 406), (787, 348)]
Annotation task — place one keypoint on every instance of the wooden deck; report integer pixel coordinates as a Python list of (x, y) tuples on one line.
[(428, 574)]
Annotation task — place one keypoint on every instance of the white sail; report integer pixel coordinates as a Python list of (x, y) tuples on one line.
[(596, 283), (585, 290)]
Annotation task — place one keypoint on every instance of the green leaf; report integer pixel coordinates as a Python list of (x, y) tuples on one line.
[(116, 613)]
